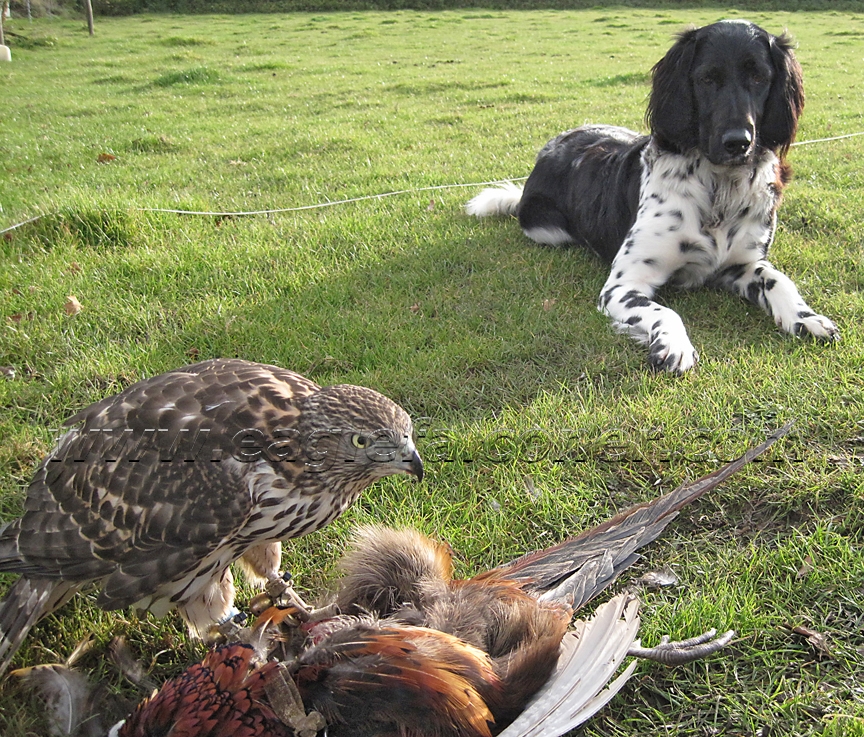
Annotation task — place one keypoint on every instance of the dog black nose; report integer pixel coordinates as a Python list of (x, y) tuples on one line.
[(737, 141)]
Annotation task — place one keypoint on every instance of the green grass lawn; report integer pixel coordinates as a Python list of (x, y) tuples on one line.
[(493, 340)]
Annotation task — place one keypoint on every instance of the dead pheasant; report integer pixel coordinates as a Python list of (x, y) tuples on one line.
[(223, 696), (466, 657), (416, 653)]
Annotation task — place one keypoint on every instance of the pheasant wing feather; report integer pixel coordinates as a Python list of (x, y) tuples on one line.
[(590, 655), (577, 569)]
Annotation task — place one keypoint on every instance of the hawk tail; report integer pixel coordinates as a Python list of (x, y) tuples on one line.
[(26, 603), (579, 568)]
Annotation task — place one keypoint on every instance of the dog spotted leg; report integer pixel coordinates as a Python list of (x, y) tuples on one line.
[(634, 313), (764, 285)]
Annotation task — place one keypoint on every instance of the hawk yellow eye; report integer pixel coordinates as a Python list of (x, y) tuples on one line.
[(359, 441)]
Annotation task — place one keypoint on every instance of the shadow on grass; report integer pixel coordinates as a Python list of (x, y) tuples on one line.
[(465, 322)]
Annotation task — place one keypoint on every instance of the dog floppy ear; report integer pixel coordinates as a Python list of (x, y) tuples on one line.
[(785, 98), (671, 109)]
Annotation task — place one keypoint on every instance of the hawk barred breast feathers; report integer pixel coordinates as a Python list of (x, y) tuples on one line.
[(153, 492)]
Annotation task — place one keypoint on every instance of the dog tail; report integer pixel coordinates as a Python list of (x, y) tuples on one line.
[(502, 200)]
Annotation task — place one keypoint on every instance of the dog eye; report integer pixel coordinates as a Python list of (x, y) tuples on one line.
[(758, 79)]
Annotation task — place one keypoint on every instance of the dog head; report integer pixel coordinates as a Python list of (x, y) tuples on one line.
[(726, 89)]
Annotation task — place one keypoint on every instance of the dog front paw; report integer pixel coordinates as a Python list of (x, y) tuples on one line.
[(666, 353), (816, 326)]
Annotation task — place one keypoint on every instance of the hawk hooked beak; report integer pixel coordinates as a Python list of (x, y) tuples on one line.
[(415, 465)]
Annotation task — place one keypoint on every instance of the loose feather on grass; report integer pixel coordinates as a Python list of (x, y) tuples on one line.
[(70, 699)]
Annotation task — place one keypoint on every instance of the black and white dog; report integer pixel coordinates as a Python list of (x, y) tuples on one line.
[(693, 203)]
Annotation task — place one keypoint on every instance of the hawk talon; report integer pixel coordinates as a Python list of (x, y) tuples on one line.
[(324, 612), (282, 594), (279, 592), (683, 651), (278, 585)]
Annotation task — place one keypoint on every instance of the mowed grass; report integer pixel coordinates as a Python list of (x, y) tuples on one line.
[(539, 421)]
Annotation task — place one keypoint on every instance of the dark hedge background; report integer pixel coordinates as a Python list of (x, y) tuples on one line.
[(129, 7)]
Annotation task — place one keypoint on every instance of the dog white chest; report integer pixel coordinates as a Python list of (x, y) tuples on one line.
[(695, 218)]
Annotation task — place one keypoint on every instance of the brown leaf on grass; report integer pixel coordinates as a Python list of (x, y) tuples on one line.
[(220, 220), (193, 353), (72, 306), (19, 316), (548, 304), (7, 372), (431, 205), (839, 461), (80, 650), (104, 158), (816, 639), (415, 308), (806, 568), (73, 268)]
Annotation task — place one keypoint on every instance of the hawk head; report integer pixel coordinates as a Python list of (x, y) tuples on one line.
[(357, 433)]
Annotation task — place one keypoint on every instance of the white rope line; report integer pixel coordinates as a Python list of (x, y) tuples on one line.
[(296, 209), (318, 206), (833, 138), (329, 203), (18, 225)]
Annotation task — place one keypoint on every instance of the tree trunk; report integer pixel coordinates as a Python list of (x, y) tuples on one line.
[(88, 9), (2, 14)]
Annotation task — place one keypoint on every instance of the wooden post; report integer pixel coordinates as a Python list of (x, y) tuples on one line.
[(88, 9), (2, 13)]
